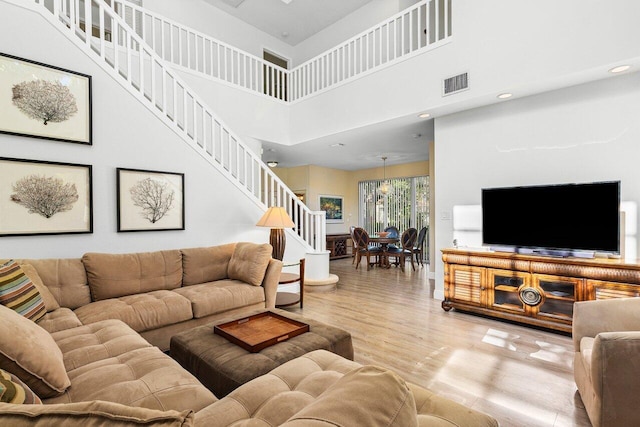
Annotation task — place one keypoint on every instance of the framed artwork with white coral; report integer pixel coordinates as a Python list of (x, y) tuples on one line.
[(39, 197), (42, 101)]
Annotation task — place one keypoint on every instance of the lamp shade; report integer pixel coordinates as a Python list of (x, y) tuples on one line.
[(276, 217)]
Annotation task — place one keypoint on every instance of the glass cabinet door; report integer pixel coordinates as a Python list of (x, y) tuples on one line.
[(559, 295), (504, 293)]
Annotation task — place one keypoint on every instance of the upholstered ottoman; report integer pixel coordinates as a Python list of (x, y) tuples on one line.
[(223, 366)]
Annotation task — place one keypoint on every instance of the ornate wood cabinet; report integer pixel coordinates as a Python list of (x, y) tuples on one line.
[(532, 289), (339, 245)]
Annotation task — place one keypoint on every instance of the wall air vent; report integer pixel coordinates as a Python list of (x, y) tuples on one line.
[(455, 84)]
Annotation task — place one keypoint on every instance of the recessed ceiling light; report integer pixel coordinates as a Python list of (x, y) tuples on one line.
[(505, 95), (272, 164), (424, 115), (619, 69)]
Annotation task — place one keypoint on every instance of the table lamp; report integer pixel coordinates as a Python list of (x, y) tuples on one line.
[(276, 217)]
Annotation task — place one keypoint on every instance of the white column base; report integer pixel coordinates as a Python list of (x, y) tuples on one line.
[(316, 272)]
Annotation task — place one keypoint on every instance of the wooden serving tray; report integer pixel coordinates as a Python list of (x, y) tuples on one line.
[(260, 331)]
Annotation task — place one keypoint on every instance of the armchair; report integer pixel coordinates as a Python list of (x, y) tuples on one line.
[(606, 338)]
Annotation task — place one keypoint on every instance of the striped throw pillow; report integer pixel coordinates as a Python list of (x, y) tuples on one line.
[(12, 390), (19, 293)]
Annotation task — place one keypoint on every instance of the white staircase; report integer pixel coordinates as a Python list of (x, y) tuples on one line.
[(120, 51)]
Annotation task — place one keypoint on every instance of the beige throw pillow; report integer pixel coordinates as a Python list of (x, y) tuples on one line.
[(50, 301), (249, 262), (31, 354), (366, 396)]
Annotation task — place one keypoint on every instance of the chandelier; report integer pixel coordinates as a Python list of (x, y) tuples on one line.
[(385, 188)]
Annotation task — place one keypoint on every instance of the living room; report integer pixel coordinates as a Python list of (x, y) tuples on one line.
[(567, 122)]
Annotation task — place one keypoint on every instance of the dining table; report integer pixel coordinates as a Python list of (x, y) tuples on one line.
[(383, 259)]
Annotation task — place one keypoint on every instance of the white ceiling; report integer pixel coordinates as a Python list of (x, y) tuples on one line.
[(402, 140), (299, 19)]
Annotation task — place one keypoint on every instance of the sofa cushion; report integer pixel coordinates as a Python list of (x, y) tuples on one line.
[(249, 262), (49, 300), (116, 275), (355, 399), (12, 390), (144, 377), (142, 312), (220, 296), (30, 353), (19, 293), (437, 411), (273, 398), (96, 341), (65, 278), (58, 320), (586, 353), (202, 265), (93, 414)]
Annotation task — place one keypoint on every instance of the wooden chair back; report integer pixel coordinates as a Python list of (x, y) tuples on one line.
[(361, 237), (409, 238)]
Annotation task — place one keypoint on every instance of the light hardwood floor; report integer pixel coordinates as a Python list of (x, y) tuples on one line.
[(520, 375)]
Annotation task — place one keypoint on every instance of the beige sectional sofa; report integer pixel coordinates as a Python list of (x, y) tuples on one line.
[(88, 360), (159, 294)]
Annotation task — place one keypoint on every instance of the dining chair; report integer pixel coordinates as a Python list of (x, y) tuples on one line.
[(353, 244), (393, 232), (418, 249), (361, 237), (408, 241)]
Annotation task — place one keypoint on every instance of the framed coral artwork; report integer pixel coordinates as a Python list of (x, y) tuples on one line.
[(150, 200), (42, 101), (38, 197)]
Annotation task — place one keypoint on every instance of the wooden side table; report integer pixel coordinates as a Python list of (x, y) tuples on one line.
[(285, 299)]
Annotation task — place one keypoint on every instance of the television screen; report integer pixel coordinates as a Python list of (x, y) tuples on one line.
[(572, 217)]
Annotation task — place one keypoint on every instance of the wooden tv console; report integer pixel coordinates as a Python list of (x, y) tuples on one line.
[(530, 289)]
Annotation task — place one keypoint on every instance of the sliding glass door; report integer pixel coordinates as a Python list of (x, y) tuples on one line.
[(404, 205)]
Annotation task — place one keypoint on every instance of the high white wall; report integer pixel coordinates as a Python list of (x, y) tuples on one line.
[(517, 46), (249, 115), (584, 133), (127, 135)]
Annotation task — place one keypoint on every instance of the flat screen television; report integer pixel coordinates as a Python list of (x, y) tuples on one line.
[(553, 219)]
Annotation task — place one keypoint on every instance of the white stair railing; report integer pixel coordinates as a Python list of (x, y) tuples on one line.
[(195, 51), (123, 54), (421, 27)]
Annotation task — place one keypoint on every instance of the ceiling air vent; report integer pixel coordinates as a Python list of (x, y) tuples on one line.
[(455, 84)]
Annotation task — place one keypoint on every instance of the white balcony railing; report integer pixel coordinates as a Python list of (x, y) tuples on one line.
[(121, 52), (419, 28), (195, 51), (416, 29)]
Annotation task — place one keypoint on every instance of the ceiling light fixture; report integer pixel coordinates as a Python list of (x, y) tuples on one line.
[(385, 188), (505, 95), (619, 69), (338, 144), (424, 115), (272, 164)]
